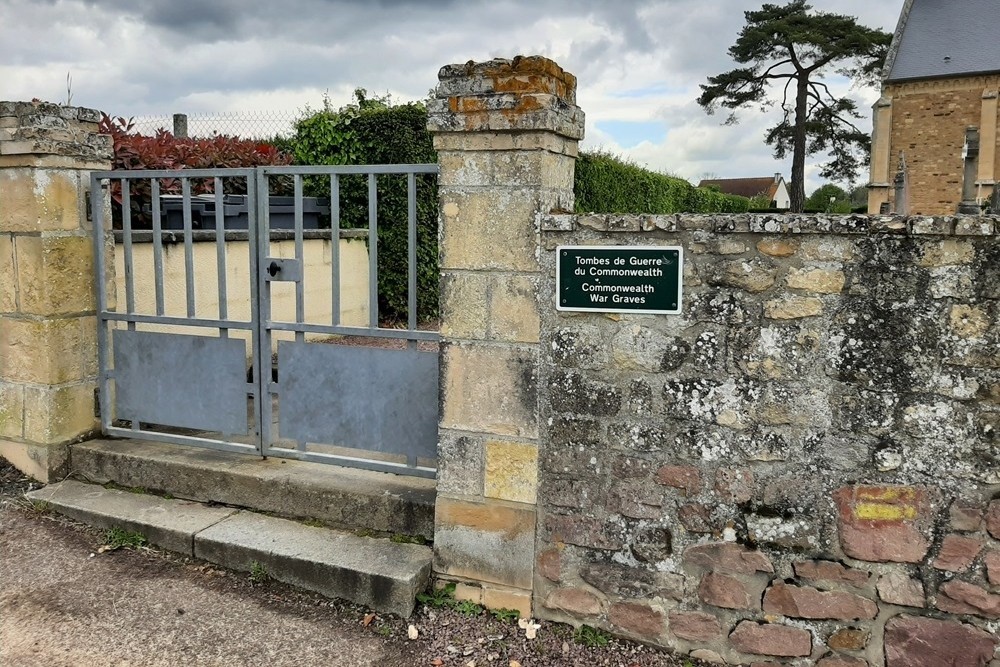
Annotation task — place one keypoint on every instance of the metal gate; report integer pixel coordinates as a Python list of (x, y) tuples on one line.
[(245, 323)]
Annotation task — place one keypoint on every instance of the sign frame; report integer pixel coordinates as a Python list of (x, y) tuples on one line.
[(622, 249)]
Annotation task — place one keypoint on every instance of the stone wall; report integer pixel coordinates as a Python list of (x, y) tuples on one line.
[(48, 325), (926, 121), (798, 469)]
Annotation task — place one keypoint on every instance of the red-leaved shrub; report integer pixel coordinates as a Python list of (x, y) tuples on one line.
[(165, 151)]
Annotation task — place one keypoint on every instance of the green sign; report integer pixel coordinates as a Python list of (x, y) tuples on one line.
[(620, 279)]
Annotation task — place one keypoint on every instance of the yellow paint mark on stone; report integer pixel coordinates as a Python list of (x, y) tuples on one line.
[(884, 512)]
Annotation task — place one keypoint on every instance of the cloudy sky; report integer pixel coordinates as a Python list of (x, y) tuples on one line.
[(638, 62)]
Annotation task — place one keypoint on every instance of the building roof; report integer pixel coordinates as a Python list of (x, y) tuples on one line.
[(744, 187), (944, 38)]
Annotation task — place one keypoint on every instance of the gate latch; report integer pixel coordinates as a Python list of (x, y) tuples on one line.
[(282, 269)]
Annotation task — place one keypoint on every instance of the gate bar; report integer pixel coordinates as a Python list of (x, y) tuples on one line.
[(188, 246), (220, 253), (98, 196), (157, 247), (300, 303), (335, 245), (372, 252), (127, 236), (258, 222), (411, 239)]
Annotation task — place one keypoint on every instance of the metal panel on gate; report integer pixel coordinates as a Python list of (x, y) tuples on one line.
[(180, 380), (382, 400)]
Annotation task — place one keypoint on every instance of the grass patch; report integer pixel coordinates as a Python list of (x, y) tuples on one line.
[(408, 539), (590, 637), (438, 598), (313, 523), (468, 608), (118, 538), (40, 506), (259, 573), (506, 615)]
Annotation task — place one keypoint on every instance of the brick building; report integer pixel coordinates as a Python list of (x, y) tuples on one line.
[(934, 142)]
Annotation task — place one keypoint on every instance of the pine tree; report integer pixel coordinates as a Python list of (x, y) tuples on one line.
[(793, 47)]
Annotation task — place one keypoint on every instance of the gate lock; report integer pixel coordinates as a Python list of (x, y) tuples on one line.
[(282, 269)]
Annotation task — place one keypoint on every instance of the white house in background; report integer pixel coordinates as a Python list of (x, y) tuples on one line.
[(774, 189)]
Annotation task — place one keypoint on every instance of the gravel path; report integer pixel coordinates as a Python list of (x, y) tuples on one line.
[(66, 603)]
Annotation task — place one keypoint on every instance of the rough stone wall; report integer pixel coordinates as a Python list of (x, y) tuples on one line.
[(48, 327), (800, 468), (928, 125)]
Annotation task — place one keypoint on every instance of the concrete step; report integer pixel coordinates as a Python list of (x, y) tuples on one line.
[(378, 573), (342, 497)]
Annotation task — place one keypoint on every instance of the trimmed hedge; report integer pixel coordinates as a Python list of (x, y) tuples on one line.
[(607, 184), (375, 131)]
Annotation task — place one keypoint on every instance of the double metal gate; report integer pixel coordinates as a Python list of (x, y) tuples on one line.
[(245, 323)]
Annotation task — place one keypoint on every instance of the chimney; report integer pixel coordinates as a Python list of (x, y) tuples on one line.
[(777, 177)]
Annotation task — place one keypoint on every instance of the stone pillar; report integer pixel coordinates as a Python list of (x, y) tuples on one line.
[(879, 179), (506, 132), (48, 324)]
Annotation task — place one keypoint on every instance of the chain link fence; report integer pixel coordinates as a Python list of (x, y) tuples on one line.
[(244, 124)]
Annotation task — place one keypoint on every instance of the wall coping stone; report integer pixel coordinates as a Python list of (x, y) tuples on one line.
[(45, 129), (757, 223)]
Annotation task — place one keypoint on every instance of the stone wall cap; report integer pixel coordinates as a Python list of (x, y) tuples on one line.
[(526, 93), (523, 66), (10, 108), (775, 223)]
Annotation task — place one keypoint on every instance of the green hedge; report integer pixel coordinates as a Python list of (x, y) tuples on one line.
[(607, 184), (375, 131)]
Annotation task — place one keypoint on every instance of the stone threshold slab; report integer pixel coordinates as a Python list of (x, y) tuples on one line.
[(167, 523), (377, 573), (380, 574), (343, 497)]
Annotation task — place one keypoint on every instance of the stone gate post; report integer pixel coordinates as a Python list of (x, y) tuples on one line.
[(506, 132), (48, 325)]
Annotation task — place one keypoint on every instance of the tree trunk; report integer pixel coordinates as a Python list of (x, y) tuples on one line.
[(797, 194)]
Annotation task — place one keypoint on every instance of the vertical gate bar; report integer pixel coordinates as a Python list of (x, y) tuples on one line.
[(372, 252), (411, 238), (259, 229), (157, 245), (188, 246), (101, 287), (335, 245), (220, 254), (300, 302), (127, 238)]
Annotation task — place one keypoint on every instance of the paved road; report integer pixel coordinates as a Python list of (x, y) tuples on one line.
[(61, 606)]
